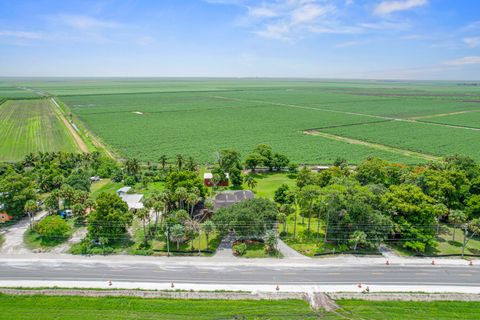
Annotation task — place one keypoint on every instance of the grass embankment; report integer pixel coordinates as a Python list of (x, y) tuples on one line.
[(400, 310), (83, 308)]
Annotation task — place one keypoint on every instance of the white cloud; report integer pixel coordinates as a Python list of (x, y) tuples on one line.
[(26, 35), (262, 12), (389, 6), (348, 44), (85, 22), (310, 12), (472, 42), (463, 61)]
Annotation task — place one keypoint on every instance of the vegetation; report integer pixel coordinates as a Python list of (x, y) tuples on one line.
[(397, 310), (28, 126), (48, 307), (378, 202)]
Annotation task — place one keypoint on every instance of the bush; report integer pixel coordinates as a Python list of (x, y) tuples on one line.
[(240, 249), (53, 228)]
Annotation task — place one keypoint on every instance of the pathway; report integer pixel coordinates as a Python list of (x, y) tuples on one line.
[(76, 237), (289, 253), (224, 249), (14, 236)]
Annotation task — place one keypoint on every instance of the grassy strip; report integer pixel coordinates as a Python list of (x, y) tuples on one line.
[(84, 308), (393, 310)]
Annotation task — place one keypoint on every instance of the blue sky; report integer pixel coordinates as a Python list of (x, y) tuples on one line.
[(394, 39)]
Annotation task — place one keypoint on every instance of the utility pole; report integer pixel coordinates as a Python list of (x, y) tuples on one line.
[(168, 240)]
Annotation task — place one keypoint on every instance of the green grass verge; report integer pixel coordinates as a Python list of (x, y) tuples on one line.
[(33, 240), (83, 308), (257, 250), (401, 310)]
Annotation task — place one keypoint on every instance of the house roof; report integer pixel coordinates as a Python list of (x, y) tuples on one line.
[(124, 189), (227, 198), (133, 201), (209, 175)]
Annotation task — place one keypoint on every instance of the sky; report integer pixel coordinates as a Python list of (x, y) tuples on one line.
[(370, 39)]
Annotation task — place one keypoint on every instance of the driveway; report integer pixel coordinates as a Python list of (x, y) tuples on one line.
[(14, 236)]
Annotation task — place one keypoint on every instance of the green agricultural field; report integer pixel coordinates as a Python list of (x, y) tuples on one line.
[(82, 308), (467, 119), (146, 118), (31, 126), (415, 136)]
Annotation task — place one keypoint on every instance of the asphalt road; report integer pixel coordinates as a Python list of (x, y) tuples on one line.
[(215, 274)]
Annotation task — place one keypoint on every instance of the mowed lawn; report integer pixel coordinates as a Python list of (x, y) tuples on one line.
[(31, 126), (106, 308), (403, 310)]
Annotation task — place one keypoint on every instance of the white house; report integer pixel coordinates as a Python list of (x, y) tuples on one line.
[(133, 201)]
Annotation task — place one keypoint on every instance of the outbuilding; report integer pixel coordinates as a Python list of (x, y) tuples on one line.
[(208, 180)]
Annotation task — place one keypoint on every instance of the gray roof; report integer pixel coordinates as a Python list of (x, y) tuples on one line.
[(227, 198), (134, 201), (124, 189)]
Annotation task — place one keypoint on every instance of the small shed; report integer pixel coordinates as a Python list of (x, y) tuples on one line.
[(123, 190), (208, 180)]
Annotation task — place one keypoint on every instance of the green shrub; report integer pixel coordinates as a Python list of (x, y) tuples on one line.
[(53, 228), (240, 249)]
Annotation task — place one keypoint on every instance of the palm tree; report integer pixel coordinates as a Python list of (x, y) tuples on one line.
[(181, 194), (177, 234), (192, 199), (132, 166), (251, 182), (179, 161), (310, 193), (30, 208), (282, 218), (163, 161), (144, 215), (208, 227)]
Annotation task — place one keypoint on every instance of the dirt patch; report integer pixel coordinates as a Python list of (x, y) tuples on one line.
[(80, 143), (443, 114), (377, 146)]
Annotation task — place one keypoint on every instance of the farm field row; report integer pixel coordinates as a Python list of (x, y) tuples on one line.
[(420, 137), (31, 126), (198, 126), (469, 119)]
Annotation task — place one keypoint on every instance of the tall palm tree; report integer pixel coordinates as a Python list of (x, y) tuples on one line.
[(163, 161), (179, 161), (143, 215), (192, 199), (251, 182), (30, 208), (181, 194), (132, 166)]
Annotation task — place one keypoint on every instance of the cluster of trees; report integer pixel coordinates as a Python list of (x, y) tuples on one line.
[(65, 176), (264, 156), (379, 201)]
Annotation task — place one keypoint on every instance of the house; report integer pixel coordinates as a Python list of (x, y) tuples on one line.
[(123, 190), (228, 198), (320, 168), (208, 180), (133, 201), (4, 217)]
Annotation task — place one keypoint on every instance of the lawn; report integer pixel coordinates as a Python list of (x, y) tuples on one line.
[(400, 310), (34, 241), (108, 186), (446, 245), (304, 242), (257, 250), (268, 183), (31, 126), (158, 246), (83, 308)]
